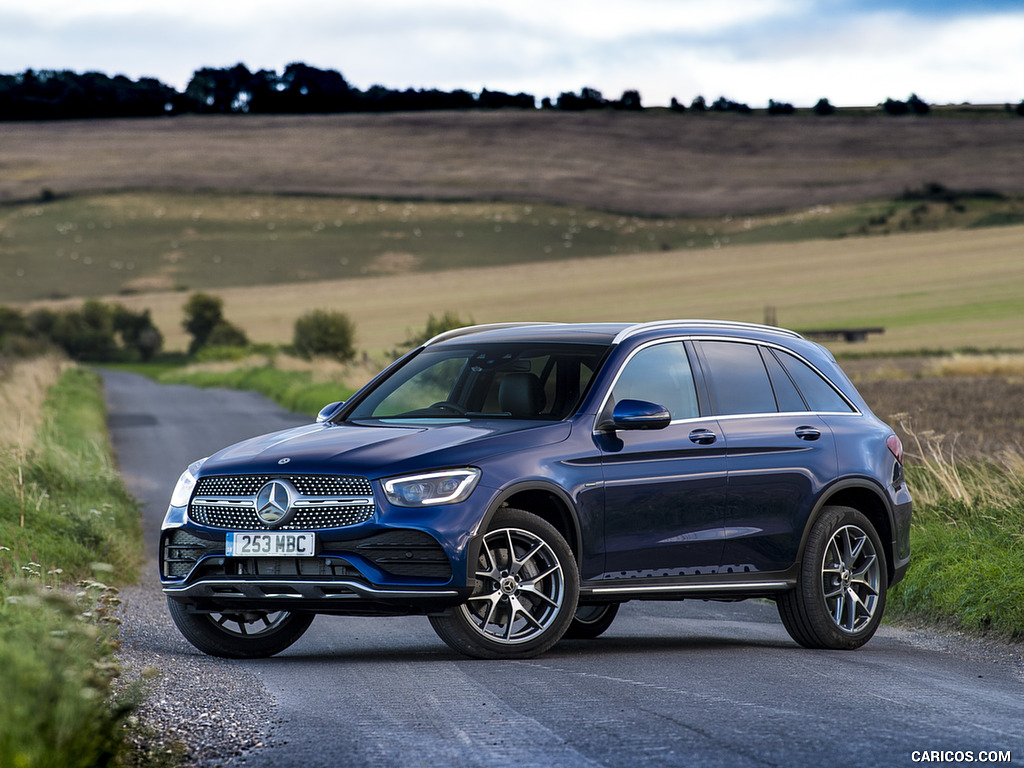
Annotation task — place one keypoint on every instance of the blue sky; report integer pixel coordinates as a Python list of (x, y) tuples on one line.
[(853, 52)]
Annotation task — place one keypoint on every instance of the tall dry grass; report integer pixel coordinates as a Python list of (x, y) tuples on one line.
[(938, 473), (23, 388), (1006, 365)]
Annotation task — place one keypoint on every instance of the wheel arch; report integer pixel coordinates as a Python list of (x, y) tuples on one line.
[(870, 501), (546, 501)]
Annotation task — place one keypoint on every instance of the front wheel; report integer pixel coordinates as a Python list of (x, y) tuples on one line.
[(525, 598), (239, 634), (839, 599)]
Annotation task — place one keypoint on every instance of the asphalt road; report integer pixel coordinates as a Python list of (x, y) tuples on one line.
[(688, 684)]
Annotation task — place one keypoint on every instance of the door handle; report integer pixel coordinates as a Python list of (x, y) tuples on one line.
[(703, 436), (808, 433)]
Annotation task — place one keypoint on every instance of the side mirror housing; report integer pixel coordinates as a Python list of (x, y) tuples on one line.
[(329, 411), (638, 414)]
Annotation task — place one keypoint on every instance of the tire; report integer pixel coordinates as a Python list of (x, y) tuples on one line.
[(525, 599), (840, 596), (591, 621), (244, 635)]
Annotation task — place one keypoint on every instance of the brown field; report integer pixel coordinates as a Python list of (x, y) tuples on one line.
[(965, 417), (649, 163)]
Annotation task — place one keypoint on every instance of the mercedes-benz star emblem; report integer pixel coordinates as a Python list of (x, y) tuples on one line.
[(274, 501)]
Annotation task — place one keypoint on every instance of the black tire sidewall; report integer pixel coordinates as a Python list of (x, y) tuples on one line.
[(588, 630), (206, 635), (804, 611)]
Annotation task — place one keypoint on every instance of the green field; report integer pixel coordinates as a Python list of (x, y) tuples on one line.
[(929, 272)]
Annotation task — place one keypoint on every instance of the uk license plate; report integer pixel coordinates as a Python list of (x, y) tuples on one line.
[(274, 544)]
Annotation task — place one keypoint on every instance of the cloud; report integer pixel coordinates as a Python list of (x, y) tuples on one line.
[(749, 50)]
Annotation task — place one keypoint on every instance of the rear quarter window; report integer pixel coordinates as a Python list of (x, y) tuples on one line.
[(819, 394)]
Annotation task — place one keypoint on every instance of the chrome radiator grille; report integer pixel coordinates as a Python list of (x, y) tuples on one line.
[(324, 501)]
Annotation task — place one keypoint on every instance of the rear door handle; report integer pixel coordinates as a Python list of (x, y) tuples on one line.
[(703, 436), (808, 433)]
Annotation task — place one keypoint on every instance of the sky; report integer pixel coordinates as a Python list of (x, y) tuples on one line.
[(852, 52)]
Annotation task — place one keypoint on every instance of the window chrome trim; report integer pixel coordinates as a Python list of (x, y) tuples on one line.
[(699, 337)]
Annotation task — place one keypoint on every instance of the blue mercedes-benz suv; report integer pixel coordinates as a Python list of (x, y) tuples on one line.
[(515, 483)]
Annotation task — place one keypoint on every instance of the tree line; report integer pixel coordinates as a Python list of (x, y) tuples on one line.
[(302, 89)]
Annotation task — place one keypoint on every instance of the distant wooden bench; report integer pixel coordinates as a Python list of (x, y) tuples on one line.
[(850, 335)]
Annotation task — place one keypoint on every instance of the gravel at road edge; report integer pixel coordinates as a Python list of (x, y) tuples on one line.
[(214, 711)]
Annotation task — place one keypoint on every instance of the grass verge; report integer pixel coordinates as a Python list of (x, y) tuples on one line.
[(65, 519), (296, 390), (966, 542)]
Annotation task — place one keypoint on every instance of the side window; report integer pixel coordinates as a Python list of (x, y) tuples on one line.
[(738, 379), (786, 394), (818, 393), (660, 374)]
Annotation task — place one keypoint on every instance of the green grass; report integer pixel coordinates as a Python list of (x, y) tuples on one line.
[(76, 511), (294, 390), (967, 545), (129, 243), (65, 519)]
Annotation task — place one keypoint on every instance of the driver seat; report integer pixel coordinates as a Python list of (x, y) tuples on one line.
[(521, 395)]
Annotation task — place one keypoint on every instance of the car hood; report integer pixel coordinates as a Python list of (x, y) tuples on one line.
[(377, 451)]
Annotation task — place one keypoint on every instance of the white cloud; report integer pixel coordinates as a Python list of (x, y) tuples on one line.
[(748, 50)]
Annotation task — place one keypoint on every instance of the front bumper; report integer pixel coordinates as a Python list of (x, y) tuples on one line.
[(336, 597), (386, 571)]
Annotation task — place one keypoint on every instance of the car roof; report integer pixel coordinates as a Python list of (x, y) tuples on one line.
[(605, 333)]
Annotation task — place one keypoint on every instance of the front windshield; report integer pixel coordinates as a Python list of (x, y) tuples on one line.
[(542, 381)]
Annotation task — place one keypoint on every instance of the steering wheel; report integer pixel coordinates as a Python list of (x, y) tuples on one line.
[(445, 405)]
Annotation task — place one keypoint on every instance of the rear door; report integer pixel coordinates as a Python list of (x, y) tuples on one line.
[(780, 454)]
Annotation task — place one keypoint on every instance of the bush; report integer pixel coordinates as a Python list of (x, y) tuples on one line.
[(95, 333), (225, 334), (449, 321), (325, 334)]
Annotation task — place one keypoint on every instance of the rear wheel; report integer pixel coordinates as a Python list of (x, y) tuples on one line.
[(839, 600), (591, 621), (240, 634), (526, 593)]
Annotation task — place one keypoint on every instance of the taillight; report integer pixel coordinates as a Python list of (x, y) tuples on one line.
[(896, 447)]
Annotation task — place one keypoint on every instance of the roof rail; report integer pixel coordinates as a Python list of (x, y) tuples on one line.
[(456, 332), (724, 324)]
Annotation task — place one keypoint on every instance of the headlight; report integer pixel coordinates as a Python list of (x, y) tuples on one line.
[(446, 487), (183, 488)]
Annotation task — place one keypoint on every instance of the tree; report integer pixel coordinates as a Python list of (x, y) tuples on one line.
[(202, 314), (728, 105), (917, 105), (138, 332), (325, 334), (824, 107), (894, 107), (630, 101), (780, 108)]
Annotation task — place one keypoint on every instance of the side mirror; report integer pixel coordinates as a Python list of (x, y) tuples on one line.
[(638, 414), (328, 411)]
